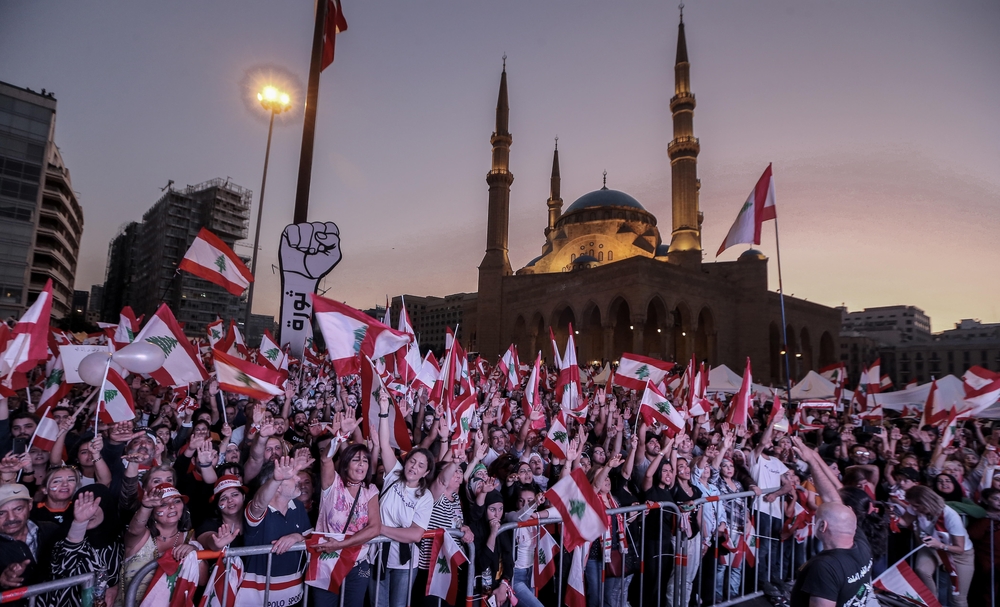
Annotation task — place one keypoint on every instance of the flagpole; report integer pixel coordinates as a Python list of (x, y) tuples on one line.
[(309, 122), (781, 296)]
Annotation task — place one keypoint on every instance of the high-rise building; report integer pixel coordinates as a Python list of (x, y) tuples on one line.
[(96, 304), (143, 257), (41, 222), (888, 325)]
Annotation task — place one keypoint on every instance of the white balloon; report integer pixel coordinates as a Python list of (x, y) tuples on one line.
[(92, 367), (140, 357)]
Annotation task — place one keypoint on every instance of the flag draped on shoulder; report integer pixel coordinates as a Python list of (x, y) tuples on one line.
[(635, 370), (29, 343), (583, 515), (174, 583), (182, 363), (116, 404), (445, 559), (211, 259), (758, 208), (349, 333), (656, 407), (243, 377)]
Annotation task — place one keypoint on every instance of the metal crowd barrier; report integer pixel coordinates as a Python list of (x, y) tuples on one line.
[(87, 581), (132, 599)]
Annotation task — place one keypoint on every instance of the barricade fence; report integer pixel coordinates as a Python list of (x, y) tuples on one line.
[(85, 581)]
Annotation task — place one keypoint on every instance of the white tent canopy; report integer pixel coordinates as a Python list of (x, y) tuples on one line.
[(949, 392), (813, 386), (724, 379)]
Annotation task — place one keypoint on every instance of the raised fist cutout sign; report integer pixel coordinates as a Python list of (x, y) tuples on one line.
[(307, 253)]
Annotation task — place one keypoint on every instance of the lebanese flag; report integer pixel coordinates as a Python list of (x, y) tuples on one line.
[(885, 383), (445, 558), (569, 370), (115, 403), (545, 558), (749, 542), (740, 407), (873, 408), (327, 570), (46, 432), (233, 343), (532, 397), (950, 428), (836, 372), (575, 590), (557, 438), (371, 384), (128, 326), (183, 363), (777, 410), (211, 259), (55, 388), (243, 377), (934, 411), (655, 407), (556, 359), (462, 415), (216, 331), (334, 24), (982, 387), (174, 584), (901, 580), (350, 333), (509, 366), (758, 208), (871, 377), (29, 343), (583, 515), (222, 587), (269, 353), (428, 374), (408, 363), (634, 371)]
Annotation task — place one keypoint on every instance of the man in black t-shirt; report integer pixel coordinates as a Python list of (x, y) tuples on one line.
[(840, 576)]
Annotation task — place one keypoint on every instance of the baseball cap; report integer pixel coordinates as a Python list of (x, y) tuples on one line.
[(229, 481), (12, 492), (170, 491)]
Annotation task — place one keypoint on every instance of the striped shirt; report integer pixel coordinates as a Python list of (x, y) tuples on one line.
[(447, 514)]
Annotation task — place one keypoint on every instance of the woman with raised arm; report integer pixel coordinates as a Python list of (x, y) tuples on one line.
[(405, 505), (732, 516), (349, 506), (93, 544)]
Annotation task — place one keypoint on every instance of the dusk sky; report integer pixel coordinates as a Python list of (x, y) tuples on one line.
[(882, 120)]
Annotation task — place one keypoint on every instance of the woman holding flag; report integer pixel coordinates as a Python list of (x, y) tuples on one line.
[(947, 543)]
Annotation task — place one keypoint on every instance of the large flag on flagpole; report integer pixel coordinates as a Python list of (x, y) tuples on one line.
[(30, 337), (758, 208), (635, 370), (243, 377), (350, 333), (211, 259), (182, 364), (656, 407), (583, 515), (334, 24), (115, 399)]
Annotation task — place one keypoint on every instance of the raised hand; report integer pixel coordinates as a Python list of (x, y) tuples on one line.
[(123, 432), (616, 460), (303, 460), (207, 455), (284, 468), (96, 446), (349, 421), (213, 387), (153, 498), (85, 507), (310, 250), (225, 535), (10, 464)]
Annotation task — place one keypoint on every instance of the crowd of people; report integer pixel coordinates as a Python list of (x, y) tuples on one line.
[(830, 505)]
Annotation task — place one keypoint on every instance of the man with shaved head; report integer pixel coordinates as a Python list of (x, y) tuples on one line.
[(840, 575)]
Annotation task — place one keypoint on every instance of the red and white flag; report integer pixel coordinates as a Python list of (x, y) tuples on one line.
[(55, 388), (777, 409), (46, 432), (545, 558), (29, 343), (635, 370), (233, 343), (739, 410), (327, 570), (532, 397), (182, 365), (655, 407), (115, 402), (128, 326), (371, 385), (583, 515), (222, 587), (509, 366), (901, 580), (982, 388), (428, 374), (950, 428), (557, 438), (758, 208), (216, 331), (556, 359), (211, 259), (174, 584), (934, 410), (243, 377), (335, 24), (269, 354), (445, 559), (463, 414), (350, 333), (575, 587)]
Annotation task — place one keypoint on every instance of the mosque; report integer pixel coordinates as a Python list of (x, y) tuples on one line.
[(605, 268)]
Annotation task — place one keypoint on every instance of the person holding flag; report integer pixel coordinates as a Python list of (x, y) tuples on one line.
[(946, 541)]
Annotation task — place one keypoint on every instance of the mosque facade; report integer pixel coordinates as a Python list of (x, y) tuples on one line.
[(606, 270)]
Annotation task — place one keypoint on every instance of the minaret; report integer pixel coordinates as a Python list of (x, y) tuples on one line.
[(555, 201), (685, 239), (495, 265)]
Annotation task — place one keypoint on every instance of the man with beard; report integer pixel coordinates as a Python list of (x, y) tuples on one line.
[(297, 431)]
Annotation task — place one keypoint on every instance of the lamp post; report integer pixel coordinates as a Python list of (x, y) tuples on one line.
[(275, 102)]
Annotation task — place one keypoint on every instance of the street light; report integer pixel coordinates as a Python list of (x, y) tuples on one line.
[(274, 101)]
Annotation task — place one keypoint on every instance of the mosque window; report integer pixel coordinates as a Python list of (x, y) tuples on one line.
[(600, 256), (611, 255), (591, 244), (600, 246), (591, 252), (572, 257)]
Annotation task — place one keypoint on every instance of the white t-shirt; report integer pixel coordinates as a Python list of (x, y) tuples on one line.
[(952, 522), (767, 473), (400, 507)]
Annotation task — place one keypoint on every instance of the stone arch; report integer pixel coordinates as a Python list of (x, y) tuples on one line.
[(519, 335), (590, 341), (656, 329), (792, 347), (538, 338), (777, 370), (705, 336), (683, 334), (806, 351), (562, 317), (827, 353), (620, 315)]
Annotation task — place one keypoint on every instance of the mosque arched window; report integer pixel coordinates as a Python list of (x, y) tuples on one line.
[(600, 256), (572, 257), (591, 252), (611, 255)]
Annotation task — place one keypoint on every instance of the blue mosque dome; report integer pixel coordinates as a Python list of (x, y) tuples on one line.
[(604, 198)]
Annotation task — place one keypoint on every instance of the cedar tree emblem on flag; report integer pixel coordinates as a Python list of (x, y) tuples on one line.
[(220, 262), (167, 344), (272, 354), (643, 372)]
